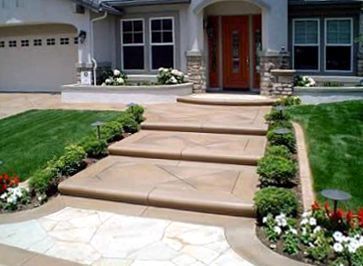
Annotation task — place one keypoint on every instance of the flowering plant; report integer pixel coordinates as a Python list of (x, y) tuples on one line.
[(7, 181), (14, 196), (170, 76), (117, 79), (304, 81)]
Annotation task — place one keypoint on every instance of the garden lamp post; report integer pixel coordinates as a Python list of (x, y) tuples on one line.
[(98, 125), (131, 104), (280, 108), (336, 195), (282, 131)]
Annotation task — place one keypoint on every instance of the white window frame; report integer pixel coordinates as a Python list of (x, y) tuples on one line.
[(306, 44), (132, 44), (351, 45), (161, 44)]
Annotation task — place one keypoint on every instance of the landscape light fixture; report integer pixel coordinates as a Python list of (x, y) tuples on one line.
[(98, 125), (336, 195)]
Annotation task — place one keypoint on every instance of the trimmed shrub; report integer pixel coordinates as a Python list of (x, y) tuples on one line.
[(111, 131), (128, 122), (71, 161), (42, 179), (94, 148), (275, 115), (275, 201), (288, 101), (280, 124), (276, 171), (279, 150), (137, 111), (287, 140)]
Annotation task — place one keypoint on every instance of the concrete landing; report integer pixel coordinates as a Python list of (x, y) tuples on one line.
[(203, 147), (207, 119), (206, 187), (227, 99)]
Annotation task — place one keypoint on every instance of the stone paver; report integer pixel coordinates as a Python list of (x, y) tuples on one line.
[(207, 147), (209, 119), (102, 238), (218, 188)]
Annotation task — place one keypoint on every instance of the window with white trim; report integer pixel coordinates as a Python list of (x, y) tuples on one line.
[(306, 44), (12, 43), (162, 42), (338, 44), (133, 44), (37, 42), (64, 41), (50, 41), (24, 43), (2, 44)]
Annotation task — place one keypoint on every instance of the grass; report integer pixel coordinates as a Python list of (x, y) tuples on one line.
[(28, 140), (335, 141)]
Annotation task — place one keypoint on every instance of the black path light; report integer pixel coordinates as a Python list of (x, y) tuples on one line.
[(336, 195), (282, 131), (98, 125), (280, 108)]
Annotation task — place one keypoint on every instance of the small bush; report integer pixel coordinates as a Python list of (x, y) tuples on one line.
[(111, 131), (94, 148), (276, 171), (287, 140), (128, 123), (280, 124), (275, 201), (137, 111), (279, 151), (275, 116), (288, 101), (42, 179), (71, 161)]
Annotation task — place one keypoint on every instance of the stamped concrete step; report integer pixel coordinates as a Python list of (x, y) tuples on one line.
[(207, 119), (227, 99), (205, 187), (203, 147)]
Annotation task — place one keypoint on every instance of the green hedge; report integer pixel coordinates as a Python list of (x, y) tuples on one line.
[(287, 140), (279, 150)]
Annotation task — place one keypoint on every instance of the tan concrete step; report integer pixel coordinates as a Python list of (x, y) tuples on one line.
[(203, 147), (205, 187), (227, 99), (207, 119)]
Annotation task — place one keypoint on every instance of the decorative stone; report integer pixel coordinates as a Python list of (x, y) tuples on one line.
[(196, 71)]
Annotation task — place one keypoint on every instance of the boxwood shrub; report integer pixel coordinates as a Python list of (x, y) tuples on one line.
[(94, 147), (111, 131), (287, 140), (137, 111), (128, 122), (279, 150), (275, 115), (276, 171), (275, 201)]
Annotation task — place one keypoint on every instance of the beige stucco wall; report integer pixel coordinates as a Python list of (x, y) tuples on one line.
[(231, 8)]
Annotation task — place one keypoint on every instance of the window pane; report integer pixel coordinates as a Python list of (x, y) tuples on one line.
[(162, 56), (127, 26), (133, 57), (339, 31), (338, 58), (156, 24), (168, 36), (306, 57), (138, 38), (156, 37), (306, 32), (138, 25), (127, 38), (167, 24)]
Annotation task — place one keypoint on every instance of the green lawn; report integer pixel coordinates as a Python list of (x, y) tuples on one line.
[(335, 141), (28, 140)]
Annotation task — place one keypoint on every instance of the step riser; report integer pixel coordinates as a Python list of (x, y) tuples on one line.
[(242, 210), (226, 103), (186, 157), (233, 131)]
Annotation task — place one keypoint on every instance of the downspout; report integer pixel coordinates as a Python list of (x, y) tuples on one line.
[(94, 62)]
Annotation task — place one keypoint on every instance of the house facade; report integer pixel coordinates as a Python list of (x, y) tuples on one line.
[(221, 44)]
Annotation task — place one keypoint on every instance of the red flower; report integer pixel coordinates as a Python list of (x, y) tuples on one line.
[(315, 206), (338, 214), (360, 217), (349, 216), (327, 208)]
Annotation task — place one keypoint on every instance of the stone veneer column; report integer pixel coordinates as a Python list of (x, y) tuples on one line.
[(196, 71), (360, 51), (269, 61)]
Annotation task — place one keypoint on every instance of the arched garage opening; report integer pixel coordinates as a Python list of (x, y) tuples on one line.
[(37, 57)]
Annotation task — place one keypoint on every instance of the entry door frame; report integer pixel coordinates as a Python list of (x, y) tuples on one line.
[(252, 65)]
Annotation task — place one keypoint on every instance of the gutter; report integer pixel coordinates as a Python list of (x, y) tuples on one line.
[(125, 3), (92, 46)]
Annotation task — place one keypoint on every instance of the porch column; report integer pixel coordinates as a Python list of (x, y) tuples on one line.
[(274, 40), (194, 55)]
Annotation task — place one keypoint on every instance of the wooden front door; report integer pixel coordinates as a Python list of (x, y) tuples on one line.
[(235, 52)]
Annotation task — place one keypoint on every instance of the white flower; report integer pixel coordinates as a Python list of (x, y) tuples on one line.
[(173, 80), (304, 221), (264, 220), (338, 236), (160, 69), (108, 81), (306, 214), (116, 72), (281, 220), (175, 72), (317, 229), (338, 247), (4, 196), (293, 231), (361, 241), (304, 231), (312, 221), (277, 230), (353, 246), (120, 80)]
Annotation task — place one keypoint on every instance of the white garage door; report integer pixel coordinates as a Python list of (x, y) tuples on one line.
[(37, 58)]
